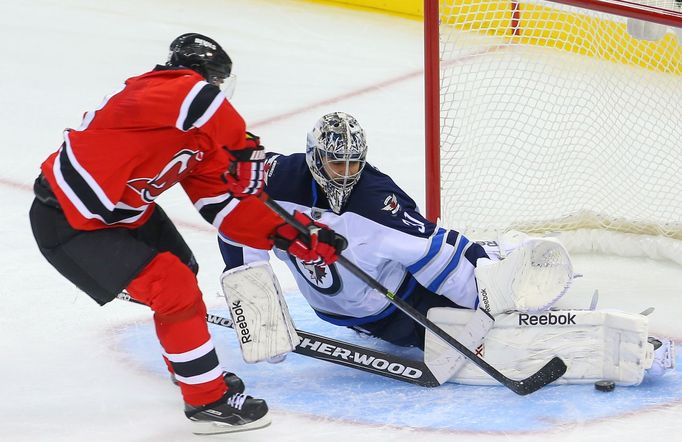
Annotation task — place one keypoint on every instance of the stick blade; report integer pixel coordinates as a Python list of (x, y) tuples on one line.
[(552, 371)]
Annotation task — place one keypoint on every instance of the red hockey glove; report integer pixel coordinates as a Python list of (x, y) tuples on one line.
[(245, 174), (323, 246)]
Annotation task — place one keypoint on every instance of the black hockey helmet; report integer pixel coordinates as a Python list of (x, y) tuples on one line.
[(201, 54)]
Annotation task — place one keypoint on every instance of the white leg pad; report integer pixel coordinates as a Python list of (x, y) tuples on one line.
[(447, 361), (261, 318), (595, 345)]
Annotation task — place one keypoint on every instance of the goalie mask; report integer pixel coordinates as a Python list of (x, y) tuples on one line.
[(335, 154)]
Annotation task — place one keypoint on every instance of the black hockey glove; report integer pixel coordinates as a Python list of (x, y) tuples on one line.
[(245, 175)]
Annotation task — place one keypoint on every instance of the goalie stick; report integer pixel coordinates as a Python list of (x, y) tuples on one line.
[(345, 353), (552, 371)]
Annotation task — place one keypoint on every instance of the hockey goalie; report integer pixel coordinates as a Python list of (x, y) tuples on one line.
[(496, 297)]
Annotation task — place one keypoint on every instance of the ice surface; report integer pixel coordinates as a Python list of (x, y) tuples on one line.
[(72, 371)]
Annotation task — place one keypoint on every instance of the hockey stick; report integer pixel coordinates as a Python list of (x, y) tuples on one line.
[(346, 354), (552, 371)]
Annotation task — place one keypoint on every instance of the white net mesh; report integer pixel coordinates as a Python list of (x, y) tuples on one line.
[(554, 118)]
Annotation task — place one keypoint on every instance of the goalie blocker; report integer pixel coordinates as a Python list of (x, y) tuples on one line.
[(594, 344), (264, 328)]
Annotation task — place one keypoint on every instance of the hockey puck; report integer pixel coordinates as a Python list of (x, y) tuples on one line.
[(604, 386)]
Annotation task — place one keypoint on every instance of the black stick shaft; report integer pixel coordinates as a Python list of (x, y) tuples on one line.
[(346, 354), (553, 370)]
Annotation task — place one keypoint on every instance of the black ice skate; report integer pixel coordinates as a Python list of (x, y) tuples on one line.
[(233, 382), (233, 412)]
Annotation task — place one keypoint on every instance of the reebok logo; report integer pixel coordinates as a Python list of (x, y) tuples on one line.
[(240, 323), (483, 298), (547, 319)]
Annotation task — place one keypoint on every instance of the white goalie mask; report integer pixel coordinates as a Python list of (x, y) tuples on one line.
[(335, 152)]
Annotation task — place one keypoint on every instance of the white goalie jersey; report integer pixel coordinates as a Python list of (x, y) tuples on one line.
[(387, 238)]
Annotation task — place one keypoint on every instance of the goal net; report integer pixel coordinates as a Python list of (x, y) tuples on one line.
[(559, 118)]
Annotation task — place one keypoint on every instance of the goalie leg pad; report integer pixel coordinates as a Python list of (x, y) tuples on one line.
[(261, 318), (447, 361), (594, 344)]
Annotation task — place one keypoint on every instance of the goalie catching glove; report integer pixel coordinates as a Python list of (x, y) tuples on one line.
[(245, 175), (531, 278), (320, 245)]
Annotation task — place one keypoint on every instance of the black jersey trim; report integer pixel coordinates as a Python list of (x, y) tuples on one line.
[(87, 195), (210, 211), (199, 105), (474, 252), (196, 367)]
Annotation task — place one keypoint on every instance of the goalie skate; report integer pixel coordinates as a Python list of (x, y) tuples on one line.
[(664, 356)]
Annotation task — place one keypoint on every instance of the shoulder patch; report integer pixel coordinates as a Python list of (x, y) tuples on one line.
[(391, 204)]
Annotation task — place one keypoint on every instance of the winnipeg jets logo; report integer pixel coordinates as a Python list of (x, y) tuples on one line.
[(391, 204), (316, 273), (176, 169), (322, 278)]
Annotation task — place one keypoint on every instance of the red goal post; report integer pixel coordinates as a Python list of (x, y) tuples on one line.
[(555, 116)]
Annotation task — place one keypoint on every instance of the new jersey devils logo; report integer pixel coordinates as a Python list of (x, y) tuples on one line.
[(176, 169)]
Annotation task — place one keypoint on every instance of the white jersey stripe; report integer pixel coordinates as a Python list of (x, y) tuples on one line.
[(90, 115), (223, 213), (61, 182), (186, 103), (215, 104), (101, 196), (94, 186), (191, 355), (200, 203)]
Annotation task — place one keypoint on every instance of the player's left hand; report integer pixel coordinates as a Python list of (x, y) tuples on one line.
[(245, 174), (322, 244)]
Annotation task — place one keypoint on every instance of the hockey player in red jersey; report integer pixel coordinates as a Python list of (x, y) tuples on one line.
[(95, 220)]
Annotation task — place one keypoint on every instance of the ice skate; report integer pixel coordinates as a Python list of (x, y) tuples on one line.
[(233, 412), (664, 356)]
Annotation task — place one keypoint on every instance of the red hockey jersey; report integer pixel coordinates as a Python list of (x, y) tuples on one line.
[(164, 127)]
